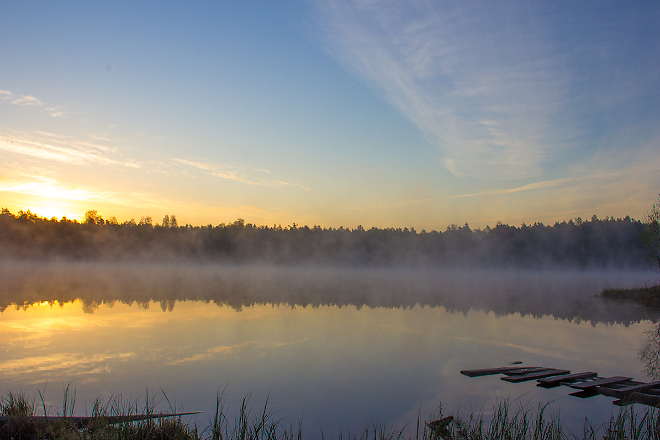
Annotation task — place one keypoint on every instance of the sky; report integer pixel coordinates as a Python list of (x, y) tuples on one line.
[(331, 112)]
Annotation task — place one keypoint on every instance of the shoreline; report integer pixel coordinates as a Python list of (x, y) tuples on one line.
[(648, 296)]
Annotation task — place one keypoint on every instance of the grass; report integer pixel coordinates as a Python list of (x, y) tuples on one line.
[(507, 423), (648, 296)]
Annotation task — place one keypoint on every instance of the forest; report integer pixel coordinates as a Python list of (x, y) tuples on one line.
[(594, 243)]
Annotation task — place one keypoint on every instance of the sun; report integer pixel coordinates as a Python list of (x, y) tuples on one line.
[(51, 208)]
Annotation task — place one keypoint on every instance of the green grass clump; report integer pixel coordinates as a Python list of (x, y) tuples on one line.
[(18, 421), (646, 296), (527, 423)]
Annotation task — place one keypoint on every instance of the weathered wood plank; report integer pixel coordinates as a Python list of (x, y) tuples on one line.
[(598, 382), (584, 394), (491, 371), (536, 375), (644, 399), (526, 370), (623, 388), (638, 387), (555, 381), (610, 390)]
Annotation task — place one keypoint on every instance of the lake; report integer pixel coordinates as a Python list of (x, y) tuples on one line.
[(339, 348)]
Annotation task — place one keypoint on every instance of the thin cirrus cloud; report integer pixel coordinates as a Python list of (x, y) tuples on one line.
[(29, 100), (38, 185), (65, 149), (237, 173), (62, 363), (487, 83), (222, 351), (251, 347), (51, 189), (563, 182)]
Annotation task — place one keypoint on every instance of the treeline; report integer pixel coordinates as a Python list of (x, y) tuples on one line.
[(605, 242)]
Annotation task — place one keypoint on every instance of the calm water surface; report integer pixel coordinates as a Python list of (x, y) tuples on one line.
[(339, 348)]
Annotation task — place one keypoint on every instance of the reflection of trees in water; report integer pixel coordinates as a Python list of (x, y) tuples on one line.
[(650, 353), (562, 294), (167, 304)]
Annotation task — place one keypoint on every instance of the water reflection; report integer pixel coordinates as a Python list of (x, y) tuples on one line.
[(336, 347), (650, 353), (562, 294)]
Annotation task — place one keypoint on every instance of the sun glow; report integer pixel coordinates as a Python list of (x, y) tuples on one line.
[(50, 208), (46, 199)]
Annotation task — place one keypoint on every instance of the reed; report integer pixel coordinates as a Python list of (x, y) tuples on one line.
[(19, 421)]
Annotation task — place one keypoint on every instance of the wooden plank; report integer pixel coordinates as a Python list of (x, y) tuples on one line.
[(555, 381), (532, 376), (526, 370), (610, 390), (644, 399), (638, 387), (598, 382), (584, 394), (490, 371)]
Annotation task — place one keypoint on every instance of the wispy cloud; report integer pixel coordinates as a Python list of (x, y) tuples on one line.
[(200, 165), (547, 184), (66, 149), (27, 100), (524, 348), (528, 187), (257, 348), (222, 351), (240, 174), (485, 81), (43, 186), (61, 363), (55, 112), (39, 184)]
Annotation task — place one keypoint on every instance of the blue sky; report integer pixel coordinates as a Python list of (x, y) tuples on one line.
[(379, 113)]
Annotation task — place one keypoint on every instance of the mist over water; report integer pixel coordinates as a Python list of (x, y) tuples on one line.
[(563, 294), (337, 347)]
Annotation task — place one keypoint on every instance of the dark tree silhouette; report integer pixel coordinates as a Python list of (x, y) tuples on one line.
[(651, 235), (571, 244)]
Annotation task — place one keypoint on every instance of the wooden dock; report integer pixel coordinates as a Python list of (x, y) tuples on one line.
[(588, 384)]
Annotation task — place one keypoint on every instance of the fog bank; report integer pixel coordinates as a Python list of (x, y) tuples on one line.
[(560, 293)]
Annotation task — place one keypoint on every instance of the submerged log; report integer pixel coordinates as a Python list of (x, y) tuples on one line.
[(81, 422)]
